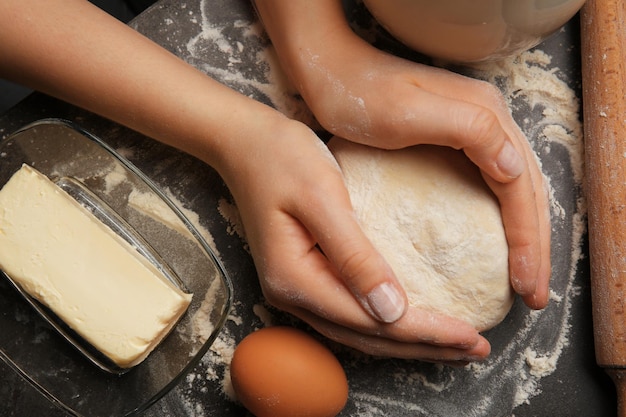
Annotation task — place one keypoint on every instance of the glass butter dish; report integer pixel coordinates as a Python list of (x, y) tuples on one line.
[(46, 352)]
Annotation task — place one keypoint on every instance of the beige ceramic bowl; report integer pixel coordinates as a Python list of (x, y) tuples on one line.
[(472, 30)]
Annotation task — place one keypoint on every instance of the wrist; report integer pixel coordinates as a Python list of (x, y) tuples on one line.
[(252, 142), (303, 44)]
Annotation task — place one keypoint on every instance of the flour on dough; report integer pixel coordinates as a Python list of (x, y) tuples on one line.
[(431, 215)]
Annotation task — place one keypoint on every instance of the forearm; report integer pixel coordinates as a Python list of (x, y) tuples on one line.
[(72, 50), (309, 36)]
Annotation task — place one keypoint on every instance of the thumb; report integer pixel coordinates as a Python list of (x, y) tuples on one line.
[(369, 278), (361, 267)]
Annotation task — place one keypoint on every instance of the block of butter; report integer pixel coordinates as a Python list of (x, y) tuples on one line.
[(92, 279)]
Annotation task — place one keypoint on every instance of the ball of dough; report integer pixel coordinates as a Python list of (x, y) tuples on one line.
[(430, 214)]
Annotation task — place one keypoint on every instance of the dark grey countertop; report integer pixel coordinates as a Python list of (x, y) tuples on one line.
[(542, 363)]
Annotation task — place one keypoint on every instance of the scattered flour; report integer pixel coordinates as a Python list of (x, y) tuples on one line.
[(230, 213), (194, 219), (530, 78), (529, 84), (154, 207), (238, 53), (541, 366), (114, 178), (263, 314), (202, 326)]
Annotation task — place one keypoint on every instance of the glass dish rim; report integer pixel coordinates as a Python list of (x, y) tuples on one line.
[(224, 276)]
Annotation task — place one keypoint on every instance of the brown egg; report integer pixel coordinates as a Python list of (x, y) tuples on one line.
[(284, 372)]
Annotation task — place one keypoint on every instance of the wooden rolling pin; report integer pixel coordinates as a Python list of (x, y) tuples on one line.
[(603, 34)]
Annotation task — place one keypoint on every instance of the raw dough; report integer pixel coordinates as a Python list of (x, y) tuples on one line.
[(431, 215)]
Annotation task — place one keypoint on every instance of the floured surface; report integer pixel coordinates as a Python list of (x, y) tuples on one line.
[(223, 39), (226, 42)]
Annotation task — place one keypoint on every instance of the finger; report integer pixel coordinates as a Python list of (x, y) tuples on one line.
[(527, 272), (376, 345), (484, 139), (357, 262), (365, 273), (539, 299), (476, 129), (539, 185), (526, 218), (524, 201), (307, 285), (474, 116), (521, 226)]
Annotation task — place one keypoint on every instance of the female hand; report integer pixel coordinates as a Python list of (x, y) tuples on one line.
[(313, 259), (365, 95)]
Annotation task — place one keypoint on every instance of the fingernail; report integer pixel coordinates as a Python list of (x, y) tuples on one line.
[(510, 161), (386, 302)]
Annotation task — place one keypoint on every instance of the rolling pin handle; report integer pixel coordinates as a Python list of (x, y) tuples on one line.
[(618, 375)]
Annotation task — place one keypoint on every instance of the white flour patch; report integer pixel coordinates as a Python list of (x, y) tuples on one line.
[(230, 213), (114, 178)]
